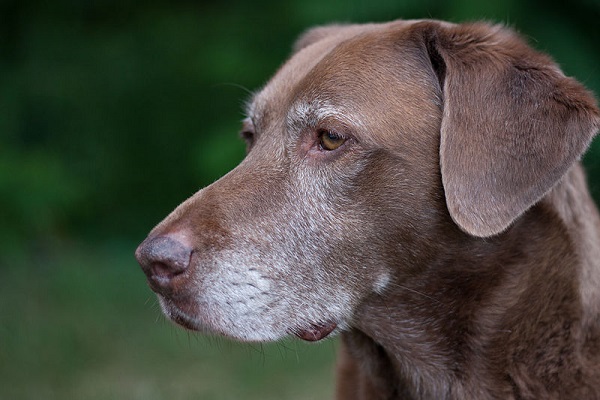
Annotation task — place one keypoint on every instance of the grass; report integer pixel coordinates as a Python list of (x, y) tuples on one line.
[(80, 323)]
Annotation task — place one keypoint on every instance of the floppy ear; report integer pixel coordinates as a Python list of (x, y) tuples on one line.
[(512, 123)]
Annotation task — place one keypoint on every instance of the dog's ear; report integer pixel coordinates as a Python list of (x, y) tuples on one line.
[(512, 123)]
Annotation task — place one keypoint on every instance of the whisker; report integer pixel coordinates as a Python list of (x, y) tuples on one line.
[(235, 85)]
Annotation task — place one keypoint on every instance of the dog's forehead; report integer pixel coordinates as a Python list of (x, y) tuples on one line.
[(366, 76), (284, 83), (293, 72)]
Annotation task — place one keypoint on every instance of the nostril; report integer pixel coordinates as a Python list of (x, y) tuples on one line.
[(162, 258), (164, 271)]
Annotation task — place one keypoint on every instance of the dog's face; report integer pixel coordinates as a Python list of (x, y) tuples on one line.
[(291, 240), (340, 196)]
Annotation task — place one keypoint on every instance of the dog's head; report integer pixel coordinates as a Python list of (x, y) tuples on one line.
[(370, 147)]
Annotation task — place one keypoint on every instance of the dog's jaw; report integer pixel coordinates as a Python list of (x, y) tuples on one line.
[(309, 332), (247, 302), (265, 328)]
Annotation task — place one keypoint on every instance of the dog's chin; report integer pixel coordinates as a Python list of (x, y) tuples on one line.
[(182, 315), (316, 332)]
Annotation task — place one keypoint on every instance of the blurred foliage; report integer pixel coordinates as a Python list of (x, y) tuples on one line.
[(112, 112)]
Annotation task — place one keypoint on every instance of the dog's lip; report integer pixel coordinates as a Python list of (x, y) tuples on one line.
[(185, 321), (176, 310), (315, 331)]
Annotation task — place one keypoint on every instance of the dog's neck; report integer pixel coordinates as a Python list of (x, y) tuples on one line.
[(461, 325)]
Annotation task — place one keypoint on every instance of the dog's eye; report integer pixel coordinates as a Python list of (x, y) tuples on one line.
[(248, 137), (247, 134), (329, 140)]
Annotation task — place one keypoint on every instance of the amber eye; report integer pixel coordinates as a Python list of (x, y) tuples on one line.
[(329, 140)]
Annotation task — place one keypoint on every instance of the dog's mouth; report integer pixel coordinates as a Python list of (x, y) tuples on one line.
[(181, 314), (315, 332)]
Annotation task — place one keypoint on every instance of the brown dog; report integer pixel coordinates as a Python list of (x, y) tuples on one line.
[(414, 186)]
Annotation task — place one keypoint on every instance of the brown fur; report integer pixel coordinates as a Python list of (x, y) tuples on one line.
[(451, 239)]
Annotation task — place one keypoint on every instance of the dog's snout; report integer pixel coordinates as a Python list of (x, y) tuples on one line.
[(163, 258)]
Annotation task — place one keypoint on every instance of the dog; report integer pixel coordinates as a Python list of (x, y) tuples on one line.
[(415, 187)]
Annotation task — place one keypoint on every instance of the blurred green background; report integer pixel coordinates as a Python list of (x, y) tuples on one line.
[(111, 113)]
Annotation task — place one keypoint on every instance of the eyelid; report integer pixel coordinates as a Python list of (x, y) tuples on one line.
[(248, 133), (247, 125), (332, 132)]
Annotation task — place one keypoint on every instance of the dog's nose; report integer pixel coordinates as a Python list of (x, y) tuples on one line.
[(163, 258)]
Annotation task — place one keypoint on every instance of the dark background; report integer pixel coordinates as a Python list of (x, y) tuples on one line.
[(113, 112)]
